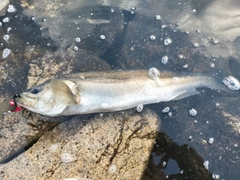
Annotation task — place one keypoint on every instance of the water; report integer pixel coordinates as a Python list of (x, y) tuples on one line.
[(100, 35)]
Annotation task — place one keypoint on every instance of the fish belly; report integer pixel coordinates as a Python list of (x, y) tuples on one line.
[(121, 95)]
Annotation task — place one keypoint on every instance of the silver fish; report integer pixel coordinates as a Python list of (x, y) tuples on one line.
[(93, 92)]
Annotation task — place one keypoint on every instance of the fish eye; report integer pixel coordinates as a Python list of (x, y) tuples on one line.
[(35, 91)]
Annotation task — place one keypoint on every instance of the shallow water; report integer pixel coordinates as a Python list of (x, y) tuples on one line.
[(129, 35)]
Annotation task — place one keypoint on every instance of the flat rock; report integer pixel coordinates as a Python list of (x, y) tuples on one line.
[(20, 131), (108, 146)]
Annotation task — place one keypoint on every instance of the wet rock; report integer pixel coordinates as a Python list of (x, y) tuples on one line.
[(144, 44), (217, 118), (167, 154), (3, 6), (18, 132), (233, 121), (108, 146), (96, 26), (63, 62), (13, 81)]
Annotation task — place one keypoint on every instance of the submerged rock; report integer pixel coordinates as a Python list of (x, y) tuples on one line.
[(108, 146)]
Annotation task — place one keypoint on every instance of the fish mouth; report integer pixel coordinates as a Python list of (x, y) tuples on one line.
[(25, 100)]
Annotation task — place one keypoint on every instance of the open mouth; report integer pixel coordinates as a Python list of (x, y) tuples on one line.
[(23, 100)]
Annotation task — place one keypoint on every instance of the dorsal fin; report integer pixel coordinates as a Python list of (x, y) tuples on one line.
[(63, 93)]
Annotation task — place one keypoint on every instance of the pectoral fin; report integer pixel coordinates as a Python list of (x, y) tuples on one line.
[(63, 93)]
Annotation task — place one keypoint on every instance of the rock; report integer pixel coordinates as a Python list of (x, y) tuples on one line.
[(63, 62), (169, 154), (3, 7), (217, 117), (18, 132), (108, 146)]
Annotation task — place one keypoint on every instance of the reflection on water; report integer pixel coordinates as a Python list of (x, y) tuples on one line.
[(48, 38), (175, 162)]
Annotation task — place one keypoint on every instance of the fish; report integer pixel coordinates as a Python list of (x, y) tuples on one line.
[(109, 91)]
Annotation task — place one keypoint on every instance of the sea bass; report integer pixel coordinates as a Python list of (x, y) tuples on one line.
[(92, 92)]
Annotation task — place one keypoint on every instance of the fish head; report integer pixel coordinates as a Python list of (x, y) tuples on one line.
[(40, 99)]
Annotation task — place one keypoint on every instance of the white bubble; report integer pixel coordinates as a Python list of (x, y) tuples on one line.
[(167, 41), (198, 31), (185, 66), (6, 37), (78, 39), (211, 140), (215, 176), (67, 158), (33, 18), (195, 44), (215, 41), (164, 59), (192, 112), (112, 168), (194, 10), (6, 53), (164, 163), (11, 9), (166, 110), (232, 83), (133, 8), (163, 26), (102, 36), (190, 138), (180, 56), (75, 48), (212, 65), (153, 73), (158, 17), (206, 164), (6, 19), (170, 114), (0, 23), (181, 172), (54, 147), (9, 29), (152, 37), (195, 121), (139, 108)]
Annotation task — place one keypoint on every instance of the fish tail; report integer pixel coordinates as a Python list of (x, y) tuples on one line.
[(215, 81)]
